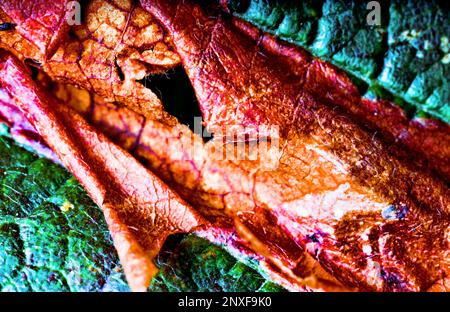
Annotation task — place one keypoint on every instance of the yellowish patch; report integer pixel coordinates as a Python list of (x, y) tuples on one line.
[(66, 206)]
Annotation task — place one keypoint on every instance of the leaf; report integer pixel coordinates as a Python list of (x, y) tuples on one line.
[(107, 118), (63, 243), (46, 224), (407, 53), (421, 135), (295, 207), (139, 214), (331, 170), (42, 23), (197, 265), (12, 40), (119, 44)]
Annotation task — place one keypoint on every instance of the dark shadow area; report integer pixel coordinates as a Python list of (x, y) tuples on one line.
[(175, 91)]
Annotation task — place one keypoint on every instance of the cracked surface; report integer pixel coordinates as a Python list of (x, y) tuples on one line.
[(342, 171), (118, 44), (196, 265), (139, 214), (407, 54), (424, 136), (338, 202), (40, 22), (53, 236)]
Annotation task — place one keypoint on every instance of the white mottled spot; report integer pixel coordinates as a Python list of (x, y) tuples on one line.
[(338, 213), (367, 249), (373, 273), (66, 206), (302, 212)]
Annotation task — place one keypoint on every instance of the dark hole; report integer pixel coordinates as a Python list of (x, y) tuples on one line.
[(313, 238), (238, 6), (175, 91), (119, 71), (34, 66), (169, 246), (7, 26)]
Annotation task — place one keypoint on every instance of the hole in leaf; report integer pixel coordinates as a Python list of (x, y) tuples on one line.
[(175, 91), (119, 71), (34, 66)]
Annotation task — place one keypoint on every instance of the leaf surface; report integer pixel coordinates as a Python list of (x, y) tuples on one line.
[(331, 170), (40, 22), (139, 214), (294, 207), (406, 53)]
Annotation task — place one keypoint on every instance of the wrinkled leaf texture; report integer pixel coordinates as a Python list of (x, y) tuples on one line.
[(316, 221)]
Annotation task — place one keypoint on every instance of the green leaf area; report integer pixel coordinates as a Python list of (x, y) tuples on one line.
[(405, 51), (54, 238)]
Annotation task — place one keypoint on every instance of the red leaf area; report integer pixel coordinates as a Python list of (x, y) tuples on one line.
[(321, 218), (41, 22)]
